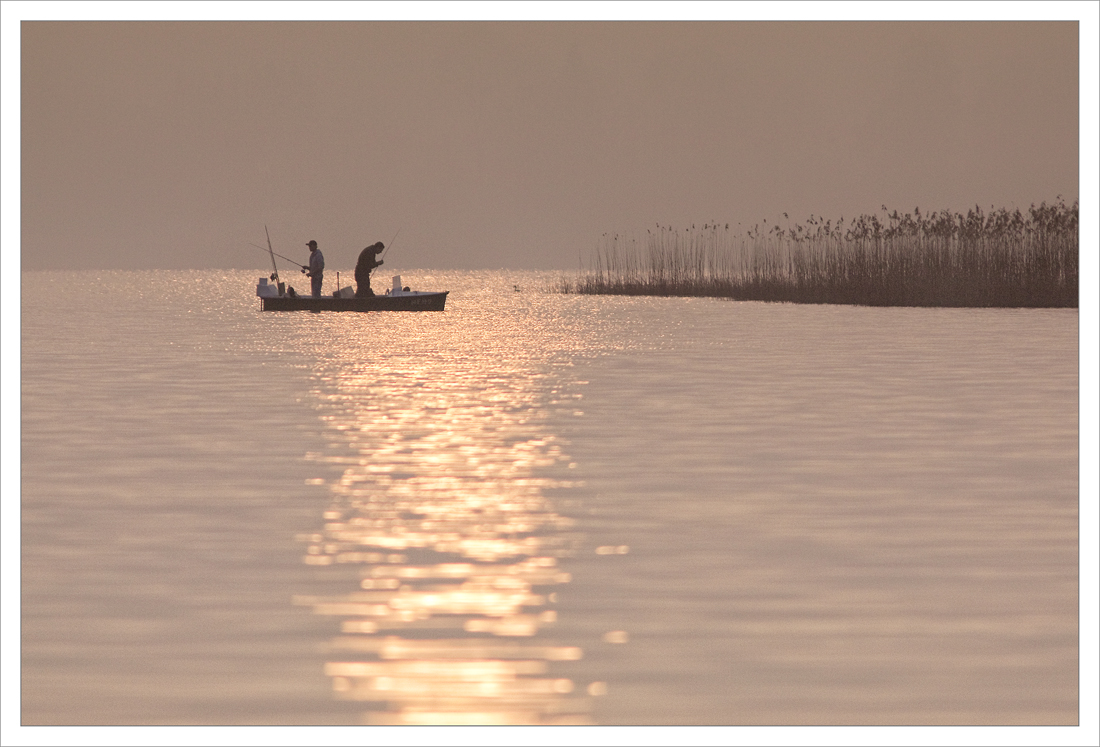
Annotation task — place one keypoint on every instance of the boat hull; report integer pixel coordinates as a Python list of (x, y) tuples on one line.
[(410, 302)]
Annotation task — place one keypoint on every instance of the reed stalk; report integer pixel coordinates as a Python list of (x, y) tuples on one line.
[(999, 259)]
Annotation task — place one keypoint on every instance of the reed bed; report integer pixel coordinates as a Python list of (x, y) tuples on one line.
[(1000, 259)]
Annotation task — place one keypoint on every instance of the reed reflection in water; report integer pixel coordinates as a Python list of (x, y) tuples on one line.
[(441, 507)]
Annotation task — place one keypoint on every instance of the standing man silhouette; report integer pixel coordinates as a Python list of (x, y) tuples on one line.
[(315, 270)]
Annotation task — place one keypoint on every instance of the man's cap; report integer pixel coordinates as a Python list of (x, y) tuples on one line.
[(311, 243)]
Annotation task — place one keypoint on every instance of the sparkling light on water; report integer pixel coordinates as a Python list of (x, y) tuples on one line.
[(442, 504)]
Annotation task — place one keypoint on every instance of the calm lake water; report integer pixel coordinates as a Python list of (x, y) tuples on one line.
[(537, 508)]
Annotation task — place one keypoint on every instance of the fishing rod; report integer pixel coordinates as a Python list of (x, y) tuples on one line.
[(389, 245), (274, 275), (288, 259)]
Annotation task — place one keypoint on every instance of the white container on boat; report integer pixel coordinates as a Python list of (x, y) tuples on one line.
[(263, 290)]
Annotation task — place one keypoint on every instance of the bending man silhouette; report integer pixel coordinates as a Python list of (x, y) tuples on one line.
[(368, 260)]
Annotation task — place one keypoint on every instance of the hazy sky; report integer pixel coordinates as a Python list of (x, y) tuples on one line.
[(516, 144)]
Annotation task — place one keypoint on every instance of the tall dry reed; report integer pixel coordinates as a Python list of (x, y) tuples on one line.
[(999, 259)]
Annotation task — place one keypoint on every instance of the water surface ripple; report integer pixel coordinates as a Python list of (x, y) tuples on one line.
[(535, 508)]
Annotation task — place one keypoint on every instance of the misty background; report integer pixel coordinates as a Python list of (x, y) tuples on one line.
[(517, 144)]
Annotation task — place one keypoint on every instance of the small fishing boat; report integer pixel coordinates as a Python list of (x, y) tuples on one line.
[(278, 298)]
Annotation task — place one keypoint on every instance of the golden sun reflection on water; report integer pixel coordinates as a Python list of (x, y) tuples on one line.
[(441, 505)]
